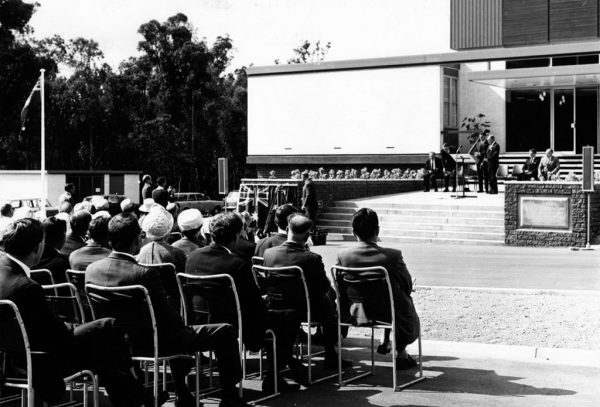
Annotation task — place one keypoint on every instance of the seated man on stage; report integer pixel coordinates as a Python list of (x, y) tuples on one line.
[(549, 167), (449, 168), (433, 171), (365, 226), (530, 168)]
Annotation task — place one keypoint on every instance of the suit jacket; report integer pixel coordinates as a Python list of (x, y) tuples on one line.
[(369, 254), (84, 256), (549, 165), (119, 269), (482, 150), (448, 161), (531, 165), (244, 248), (272, 241), (45, 331), (54, 261), (438, 165), (309, 195), (493, 155), (295, 254), (215, 259), (72, 243), (187, 246)]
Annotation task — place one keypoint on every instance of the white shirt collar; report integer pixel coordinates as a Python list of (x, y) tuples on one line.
[(25, 268)]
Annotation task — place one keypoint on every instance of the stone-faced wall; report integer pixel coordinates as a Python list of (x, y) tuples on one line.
[(574, 235), (329, 191)]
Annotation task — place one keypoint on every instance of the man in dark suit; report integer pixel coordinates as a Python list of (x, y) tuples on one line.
[(281, 215), (310, 205), (449, 168), (219, 257), (80, 222), (365, 226), (322, 296), (121, 269), (530, 168), (96, 248), (160, 194), (482, 173), (99, 346), (492, 158), (433, 170), (52, 259)]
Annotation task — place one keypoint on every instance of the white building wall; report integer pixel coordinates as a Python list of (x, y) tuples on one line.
[(132, 187), (27, 184), (370, 111), (475, 98)]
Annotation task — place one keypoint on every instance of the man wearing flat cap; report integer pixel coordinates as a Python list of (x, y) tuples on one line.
[(190, 224)]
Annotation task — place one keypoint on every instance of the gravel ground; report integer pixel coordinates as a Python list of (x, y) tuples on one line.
[(540, 319)]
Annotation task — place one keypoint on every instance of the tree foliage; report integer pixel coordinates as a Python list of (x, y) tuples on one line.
[(171, 111), (308, 52)]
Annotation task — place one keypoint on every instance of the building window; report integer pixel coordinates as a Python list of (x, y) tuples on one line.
[(450, 102)]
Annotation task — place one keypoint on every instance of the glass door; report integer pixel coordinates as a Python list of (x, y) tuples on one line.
[(564, 120)]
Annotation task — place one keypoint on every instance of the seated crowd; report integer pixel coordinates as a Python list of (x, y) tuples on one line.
[(121, 250)]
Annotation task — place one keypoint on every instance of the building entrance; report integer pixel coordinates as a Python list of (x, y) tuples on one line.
[(564, 119)]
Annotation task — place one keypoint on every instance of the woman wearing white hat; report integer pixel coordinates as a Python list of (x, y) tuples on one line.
[(190, 224)]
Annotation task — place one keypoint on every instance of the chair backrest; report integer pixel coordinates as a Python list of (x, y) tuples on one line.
[(209, 299), (77, 278), (257, 260), (132, 307), (42, 276), (284, 285), (68, 308), (517, 169), (13, 336), (502, 171), (167, 273), (368, 286)]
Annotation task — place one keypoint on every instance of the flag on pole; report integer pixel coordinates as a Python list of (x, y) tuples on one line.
[(25, 109)]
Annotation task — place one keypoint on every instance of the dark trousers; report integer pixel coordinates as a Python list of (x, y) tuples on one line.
[(527, 176), (311, 211), (450, 176), (431, 178), (492, 169), (220, 338), (98, 346), (482, 176)]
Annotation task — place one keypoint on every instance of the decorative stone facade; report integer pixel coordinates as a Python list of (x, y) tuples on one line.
[(574, 235)]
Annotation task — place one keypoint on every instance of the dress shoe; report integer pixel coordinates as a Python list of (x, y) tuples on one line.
[(480, 191), (233, 401), (282, 386), (407, 363), (384, 348), (425, 190)]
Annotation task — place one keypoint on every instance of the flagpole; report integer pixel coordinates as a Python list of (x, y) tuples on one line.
[(43, 146)]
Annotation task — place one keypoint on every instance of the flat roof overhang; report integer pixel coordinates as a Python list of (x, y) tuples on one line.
[(478, 55), (554, 76)]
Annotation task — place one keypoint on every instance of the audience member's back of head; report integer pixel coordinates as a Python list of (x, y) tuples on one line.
[(65, 207), (55, 230), (99, 229), (22, 237), (299, 225), (6, 210), (161, 181), (123, 230), (365, 224), (225, 227), (281, 215), (80, 222)]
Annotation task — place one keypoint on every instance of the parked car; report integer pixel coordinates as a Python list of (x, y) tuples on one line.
[(114, 202), (231, 200), (197, 200), (34, 204)]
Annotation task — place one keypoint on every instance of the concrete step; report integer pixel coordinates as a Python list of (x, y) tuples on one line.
[(342, 220), (336, 237), (402, 206), (442, 225), (499, 214), (422, 233)]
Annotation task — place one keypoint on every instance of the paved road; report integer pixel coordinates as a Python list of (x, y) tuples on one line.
[(492, 266)]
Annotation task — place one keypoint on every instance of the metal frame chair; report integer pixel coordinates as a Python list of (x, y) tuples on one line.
[(265, 273), (42, 277), (78, 316), (167, 273), (26, 384), (125, 297), (380, 274), (185, 281)]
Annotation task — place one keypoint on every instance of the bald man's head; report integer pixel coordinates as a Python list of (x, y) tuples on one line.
[(299, 227)]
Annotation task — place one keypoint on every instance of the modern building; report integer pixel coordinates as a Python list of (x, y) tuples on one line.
[(531, 67)]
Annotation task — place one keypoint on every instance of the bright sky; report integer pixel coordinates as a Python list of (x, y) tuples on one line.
[(262, 30)]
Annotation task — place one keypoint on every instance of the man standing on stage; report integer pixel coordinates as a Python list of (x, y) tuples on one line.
[(482, 174), (449, 168), (309, 198), (492, 158)]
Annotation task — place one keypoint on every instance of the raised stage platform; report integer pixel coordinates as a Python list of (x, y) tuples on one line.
[(426, 217)]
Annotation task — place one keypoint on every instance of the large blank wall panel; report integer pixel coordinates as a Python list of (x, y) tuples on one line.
[(573, 19), (374, 111)]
